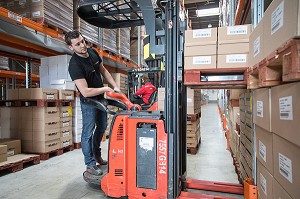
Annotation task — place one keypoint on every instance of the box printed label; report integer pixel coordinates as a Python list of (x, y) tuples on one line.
[(263, 184), (260, 108), (237, 30), (277, 18), (69, 97), (262, 150), (202, 60), (286, 108), (236, 58), (202, 33), (66, 133), (256, 46), (65, 144), (65, 114), (51, 96), (65, 124), (285, 167)]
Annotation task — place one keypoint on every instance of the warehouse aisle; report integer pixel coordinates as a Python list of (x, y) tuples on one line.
[(212, 162)]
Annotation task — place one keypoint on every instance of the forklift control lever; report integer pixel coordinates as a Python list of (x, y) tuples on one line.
[(122, 97)]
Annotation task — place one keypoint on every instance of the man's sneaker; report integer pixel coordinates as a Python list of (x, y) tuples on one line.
[(99, 160), (94, 170)]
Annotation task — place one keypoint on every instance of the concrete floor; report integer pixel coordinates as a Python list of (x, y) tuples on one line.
[(61, 177)]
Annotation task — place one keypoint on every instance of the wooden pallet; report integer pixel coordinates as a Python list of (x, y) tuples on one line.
[(77, 145), (57, 152), (18, 162), (282, 65), (194, 150), (193, 117), (192, 78)]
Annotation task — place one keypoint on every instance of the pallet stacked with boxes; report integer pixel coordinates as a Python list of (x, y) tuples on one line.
[(246, 149), (54, 14), (274, 55), (193, 116)]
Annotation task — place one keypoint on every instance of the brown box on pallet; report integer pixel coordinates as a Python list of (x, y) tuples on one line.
[(233, 47), (41, 113), (40, 147), (286, 111), (200, 62), (37, 93), (13, 146), (264, 182), (66, 141), (256, 45), (12, 94), (207, 48), (234, 32), (232, 61), (65, 122), (3, 153), (264, 148), (65, 94), (47, 123), (66, 111), (46, 135), (286, 165), (198, 36), (37, 11), (281, 23), (66, 131), (235, 93), (279, 192), (262, 108)]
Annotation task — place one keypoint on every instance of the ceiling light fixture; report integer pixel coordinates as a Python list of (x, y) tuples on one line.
[(208, 12)]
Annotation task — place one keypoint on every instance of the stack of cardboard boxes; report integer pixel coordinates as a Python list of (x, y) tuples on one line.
[(225, 47), (57, 13), (246, 157), (8, 148), (277, 117)]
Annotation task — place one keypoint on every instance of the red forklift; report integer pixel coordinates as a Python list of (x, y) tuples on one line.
[(147, 149)]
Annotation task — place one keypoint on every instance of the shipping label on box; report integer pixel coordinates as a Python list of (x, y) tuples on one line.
[(236, 58), (256, 46), (277, 18)]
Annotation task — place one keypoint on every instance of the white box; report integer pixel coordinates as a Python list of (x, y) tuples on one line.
[(64, 84)]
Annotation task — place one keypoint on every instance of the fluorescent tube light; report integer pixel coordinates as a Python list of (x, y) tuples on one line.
[(208, 12)]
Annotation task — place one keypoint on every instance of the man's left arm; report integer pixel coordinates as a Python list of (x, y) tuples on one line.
[(108, 77)]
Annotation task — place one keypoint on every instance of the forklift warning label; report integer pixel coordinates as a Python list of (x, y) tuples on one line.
[(146, 143)]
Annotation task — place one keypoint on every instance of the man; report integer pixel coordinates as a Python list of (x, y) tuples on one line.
[(145, 92), (85, 69)]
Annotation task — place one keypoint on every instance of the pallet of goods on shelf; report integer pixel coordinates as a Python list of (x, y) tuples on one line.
[(57, 15)]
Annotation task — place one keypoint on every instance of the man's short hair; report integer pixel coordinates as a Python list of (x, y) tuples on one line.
[(74, 34)]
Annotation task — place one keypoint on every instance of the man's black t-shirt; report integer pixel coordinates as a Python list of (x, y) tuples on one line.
[(87, 68)]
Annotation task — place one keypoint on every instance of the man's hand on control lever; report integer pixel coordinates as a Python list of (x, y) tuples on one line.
[(108, 89), (117, 90)]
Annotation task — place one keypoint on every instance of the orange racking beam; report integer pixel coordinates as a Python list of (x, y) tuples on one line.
[(239, 11), (18, 75)]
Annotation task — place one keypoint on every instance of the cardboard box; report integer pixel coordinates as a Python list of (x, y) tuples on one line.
[(264, 182), (37, 11), (234, 32), (12, 94), (66, 111), (47, 123), (281, 23), (62, 84), (262, 108), (65, 94), (66, 131), (40, 147), (198, 36), (65, 122), (13, 146), (264, 148), (200, 62), (233, 47), (41, 113), (279, 192), (286, 165), (205, 49), (66, 141), (232, 61), (46, 135), (3, 153), (37, 93), (235, 93), (256, 45), (286, 111)]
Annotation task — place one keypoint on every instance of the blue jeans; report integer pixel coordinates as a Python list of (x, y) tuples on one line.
[(94, 123)]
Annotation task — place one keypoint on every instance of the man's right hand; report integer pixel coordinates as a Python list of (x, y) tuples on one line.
[(107, 89)]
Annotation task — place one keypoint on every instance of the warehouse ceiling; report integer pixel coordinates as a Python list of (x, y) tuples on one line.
[(201, 22)]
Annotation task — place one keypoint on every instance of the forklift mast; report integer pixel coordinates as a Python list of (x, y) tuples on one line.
[(166, 32)]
